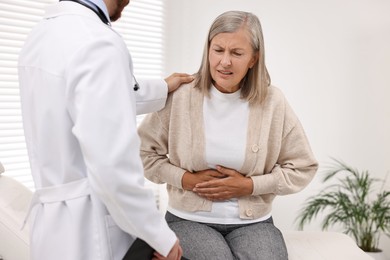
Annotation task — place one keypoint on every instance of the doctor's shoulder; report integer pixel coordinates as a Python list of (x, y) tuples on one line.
[(97, 34)]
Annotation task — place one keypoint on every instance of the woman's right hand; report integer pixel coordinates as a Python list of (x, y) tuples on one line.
[(189, 179)]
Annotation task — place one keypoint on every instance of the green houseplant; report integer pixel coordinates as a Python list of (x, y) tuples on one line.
[(352, 202)]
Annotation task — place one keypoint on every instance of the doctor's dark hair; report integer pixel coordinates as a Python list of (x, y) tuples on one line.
[(254, 86)]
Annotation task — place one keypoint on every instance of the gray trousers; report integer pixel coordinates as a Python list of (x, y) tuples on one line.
[(205, 241)]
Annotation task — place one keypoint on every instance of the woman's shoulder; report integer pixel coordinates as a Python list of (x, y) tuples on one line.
[(275, 97), (275, 92), (184, 89), (178, 98), (278, 103), (184, 94)]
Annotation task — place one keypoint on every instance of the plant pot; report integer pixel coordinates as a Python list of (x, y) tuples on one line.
[(377, 255)]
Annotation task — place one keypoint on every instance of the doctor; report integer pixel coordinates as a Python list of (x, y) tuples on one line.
[(79, 101)]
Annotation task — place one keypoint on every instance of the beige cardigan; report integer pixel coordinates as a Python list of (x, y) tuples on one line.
[(278, 156)]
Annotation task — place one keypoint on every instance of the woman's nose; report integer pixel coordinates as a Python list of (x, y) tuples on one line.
[(226, 61)]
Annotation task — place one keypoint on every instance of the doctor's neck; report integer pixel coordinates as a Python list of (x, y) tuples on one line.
[(115, 8)]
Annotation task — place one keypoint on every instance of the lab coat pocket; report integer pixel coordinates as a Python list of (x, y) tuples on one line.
[(119, 241)]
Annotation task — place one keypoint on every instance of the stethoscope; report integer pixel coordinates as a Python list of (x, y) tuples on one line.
[(94, 8), (136, 85), (104, 19)]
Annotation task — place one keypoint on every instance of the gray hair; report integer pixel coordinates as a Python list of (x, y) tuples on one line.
[(254, 85)]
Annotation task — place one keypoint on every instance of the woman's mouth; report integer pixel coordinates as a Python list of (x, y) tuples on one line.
[(225, 72)]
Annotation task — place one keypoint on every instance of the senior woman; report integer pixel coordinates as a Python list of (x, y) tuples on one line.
[(226, 145)]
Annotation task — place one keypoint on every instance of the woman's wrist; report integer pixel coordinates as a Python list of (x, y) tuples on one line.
[(186, 182)]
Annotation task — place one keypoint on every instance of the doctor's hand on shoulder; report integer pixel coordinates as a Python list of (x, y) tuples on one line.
[(175, 253), (176, 79)]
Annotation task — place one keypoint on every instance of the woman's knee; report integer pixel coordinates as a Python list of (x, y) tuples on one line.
[(200, 241), (259, 241)]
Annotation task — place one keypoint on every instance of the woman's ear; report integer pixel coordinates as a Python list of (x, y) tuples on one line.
[(255, 58)]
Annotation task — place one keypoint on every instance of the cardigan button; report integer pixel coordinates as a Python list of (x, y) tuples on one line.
[(249, 212), (255, 148)]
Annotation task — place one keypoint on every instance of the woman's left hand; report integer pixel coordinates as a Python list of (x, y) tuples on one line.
[(234, 185)]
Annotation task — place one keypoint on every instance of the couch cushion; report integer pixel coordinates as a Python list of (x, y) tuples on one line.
[(317, 245), (14, 202)]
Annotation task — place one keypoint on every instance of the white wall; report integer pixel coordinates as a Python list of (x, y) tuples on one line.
[(332, 61)]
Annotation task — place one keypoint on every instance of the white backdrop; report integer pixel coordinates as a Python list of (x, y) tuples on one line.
[(332, 61)]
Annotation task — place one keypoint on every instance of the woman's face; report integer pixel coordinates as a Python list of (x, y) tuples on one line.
[(230, 57)]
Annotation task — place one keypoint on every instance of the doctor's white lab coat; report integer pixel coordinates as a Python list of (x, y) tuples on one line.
[(79, 107)]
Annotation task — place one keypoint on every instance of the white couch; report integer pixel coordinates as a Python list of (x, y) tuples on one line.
[(317, 245), (14, 202), (301, 245)]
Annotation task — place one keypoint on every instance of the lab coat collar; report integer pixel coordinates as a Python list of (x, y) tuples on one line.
[(68, 7), (102, 6)]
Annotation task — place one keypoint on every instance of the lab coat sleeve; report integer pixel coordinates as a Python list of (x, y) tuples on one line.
[(151, 95), (102, 107)]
